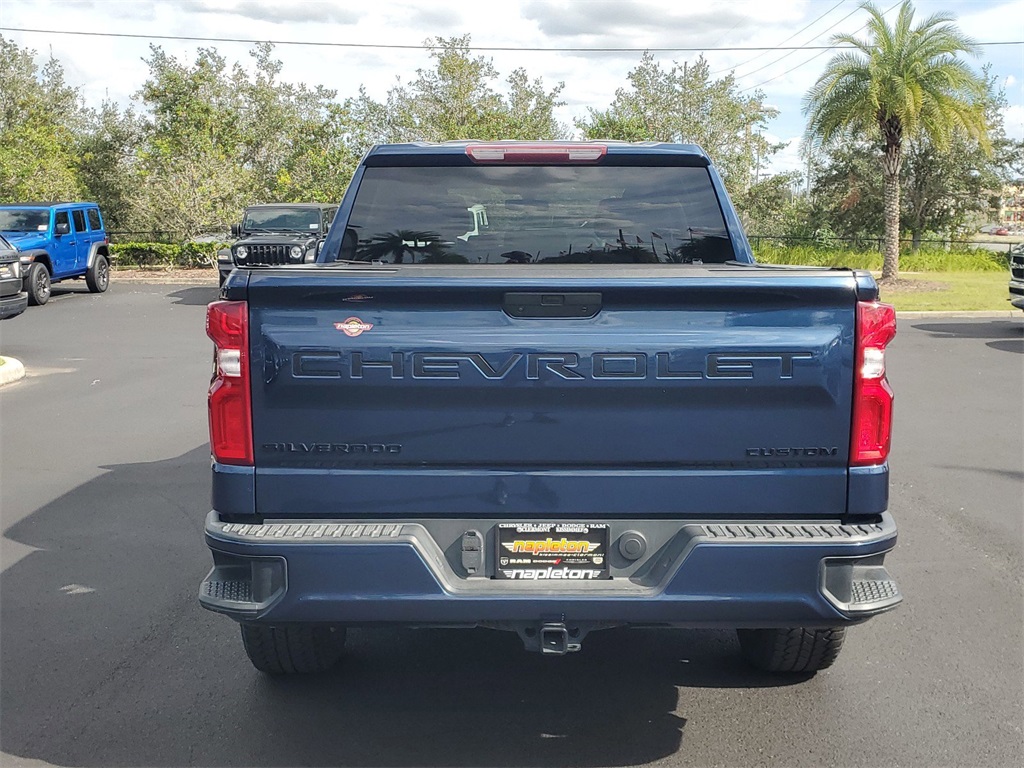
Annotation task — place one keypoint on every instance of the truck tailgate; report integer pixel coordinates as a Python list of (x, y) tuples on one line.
[(497, 392)]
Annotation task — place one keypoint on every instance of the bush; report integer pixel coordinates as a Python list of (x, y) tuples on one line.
[(167, 255), (962, 259)]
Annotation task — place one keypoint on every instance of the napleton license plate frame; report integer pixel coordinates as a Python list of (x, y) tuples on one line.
[(528, 551)]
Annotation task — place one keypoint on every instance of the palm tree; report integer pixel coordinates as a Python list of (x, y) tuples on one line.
[(900, 83), (402, 243)]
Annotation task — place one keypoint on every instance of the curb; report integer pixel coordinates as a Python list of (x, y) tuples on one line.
[(11, 371), (990, 314)]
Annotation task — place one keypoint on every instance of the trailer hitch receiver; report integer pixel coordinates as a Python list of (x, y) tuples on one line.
[(554, 640)]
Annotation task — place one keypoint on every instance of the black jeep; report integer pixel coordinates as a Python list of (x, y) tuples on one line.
[(277, 233)]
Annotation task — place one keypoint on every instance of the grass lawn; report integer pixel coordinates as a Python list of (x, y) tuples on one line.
[(950, 291)]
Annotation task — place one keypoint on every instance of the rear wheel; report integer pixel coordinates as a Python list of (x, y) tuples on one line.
[(98, 276), (293, 649), (791, 650), (37, 284)]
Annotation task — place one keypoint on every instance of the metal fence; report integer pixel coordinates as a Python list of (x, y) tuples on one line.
[(878, 243)]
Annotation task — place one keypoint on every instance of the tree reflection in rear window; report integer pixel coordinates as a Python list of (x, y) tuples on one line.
[(537, 215)]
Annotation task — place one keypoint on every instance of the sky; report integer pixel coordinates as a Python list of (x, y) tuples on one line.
[(113, 67)]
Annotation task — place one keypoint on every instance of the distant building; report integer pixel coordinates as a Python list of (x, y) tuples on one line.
[(1011, 205)]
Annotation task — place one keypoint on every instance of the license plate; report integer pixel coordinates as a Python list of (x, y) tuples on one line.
[(552, 551)]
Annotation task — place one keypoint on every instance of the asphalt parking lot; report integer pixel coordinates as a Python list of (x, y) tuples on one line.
[(106, 658)]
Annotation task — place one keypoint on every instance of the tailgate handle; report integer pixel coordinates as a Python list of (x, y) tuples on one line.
[(552, 305)]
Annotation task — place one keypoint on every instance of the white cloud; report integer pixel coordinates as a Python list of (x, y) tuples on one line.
[(293, 11), (786, 159), (114, 67), (1013, 121)]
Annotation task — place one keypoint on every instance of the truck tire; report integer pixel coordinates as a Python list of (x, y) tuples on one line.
[(98, 276), (37, 284), (791, 650), (294, 649)]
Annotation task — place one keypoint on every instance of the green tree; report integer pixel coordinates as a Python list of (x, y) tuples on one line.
[(107, 152), (847, 191), (190, 174), (39, 119), (902, 82), (769, 207), (217, 138), (528, 110), (947, 191), (682, 103), (457, 99), (294, 139)]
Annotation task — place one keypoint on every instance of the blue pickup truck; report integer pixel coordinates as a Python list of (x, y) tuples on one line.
[(58, 241), (545, 388)]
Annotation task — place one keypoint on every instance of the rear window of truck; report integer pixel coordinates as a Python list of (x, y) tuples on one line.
[(537, 215)]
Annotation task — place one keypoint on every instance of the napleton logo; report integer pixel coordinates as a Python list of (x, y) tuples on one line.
[(353, 326), (565, 573), (551, 546)]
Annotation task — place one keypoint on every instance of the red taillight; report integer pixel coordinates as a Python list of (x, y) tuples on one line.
[(872, 396), (227, 323), (525, 152)]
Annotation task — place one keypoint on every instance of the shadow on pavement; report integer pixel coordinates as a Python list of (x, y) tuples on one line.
[(66, 287), (1007, 474), (1009, 334), (198, 296), (107, 660), (1008, 345), (978, 329)]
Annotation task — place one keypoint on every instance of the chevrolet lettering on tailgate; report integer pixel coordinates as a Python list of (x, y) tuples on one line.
[(569, 366)]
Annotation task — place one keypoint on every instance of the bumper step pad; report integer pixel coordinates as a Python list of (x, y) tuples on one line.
[(867, 591), (230, 591)]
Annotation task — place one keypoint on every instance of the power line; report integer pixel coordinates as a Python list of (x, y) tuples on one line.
[(807, 61), (419, 47), (787, 55), (801, 31)]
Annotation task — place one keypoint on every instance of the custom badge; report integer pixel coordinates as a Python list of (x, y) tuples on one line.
[(353, 326)]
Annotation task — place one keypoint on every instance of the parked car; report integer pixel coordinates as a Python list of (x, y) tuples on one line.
[(58, 241), (545, 388), (1017, 276), (12, 298), (277, 234), (1002, 231)]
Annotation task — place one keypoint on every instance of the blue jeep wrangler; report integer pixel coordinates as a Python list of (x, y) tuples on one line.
[(58, 241)]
